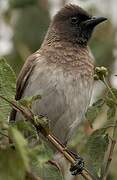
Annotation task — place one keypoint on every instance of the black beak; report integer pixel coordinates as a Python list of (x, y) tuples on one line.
[(91, 23)]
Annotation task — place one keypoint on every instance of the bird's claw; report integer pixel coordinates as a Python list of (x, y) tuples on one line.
[(77, 167)]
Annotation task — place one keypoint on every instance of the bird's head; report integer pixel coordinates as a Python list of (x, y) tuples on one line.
[(74, 24)]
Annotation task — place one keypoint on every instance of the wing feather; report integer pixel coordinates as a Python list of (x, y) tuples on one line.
[(22, 80)]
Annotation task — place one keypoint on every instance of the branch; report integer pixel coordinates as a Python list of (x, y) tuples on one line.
[(111, 150), (112, 146), (47, 134)]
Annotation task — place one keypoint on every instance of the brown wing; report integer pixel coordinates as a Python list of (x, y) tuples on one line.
[(22, 79)]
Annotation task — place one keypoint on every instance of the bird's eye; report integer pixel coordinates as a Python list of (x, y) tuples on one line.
[(74, 20)]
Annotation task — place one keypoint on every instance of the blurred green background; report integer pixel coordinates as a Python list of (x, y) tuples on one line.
[(23, 24)]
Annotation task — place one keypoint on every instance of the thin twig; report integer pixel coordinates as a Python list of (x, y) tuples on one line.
[(115, 127), (112, 146), (109, 88), (48, 135)]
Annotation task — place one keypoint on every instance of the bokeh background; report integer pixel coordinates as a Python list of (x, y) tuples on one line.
[(23, 24)]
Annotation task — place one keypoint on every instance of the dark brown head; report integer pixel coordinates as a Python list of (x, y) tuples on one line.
[(74, 24)]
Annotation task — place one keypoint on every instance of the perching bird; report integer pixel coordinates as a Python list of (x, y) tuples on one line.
[(61, 71)]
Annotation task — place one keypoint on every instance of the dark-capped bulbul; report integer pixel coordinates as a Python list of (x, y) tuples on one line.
[(61, 71)]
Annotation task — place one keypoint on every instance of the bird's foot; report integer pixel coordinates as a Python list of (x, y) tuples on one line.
[(78, 166)]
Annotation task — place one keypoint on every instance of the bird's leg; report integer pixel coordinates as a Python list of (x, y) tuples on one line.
[(78, 166)]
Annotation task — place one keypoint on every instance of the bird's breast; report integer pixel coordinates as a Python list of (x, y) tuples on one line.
[(65, 94)]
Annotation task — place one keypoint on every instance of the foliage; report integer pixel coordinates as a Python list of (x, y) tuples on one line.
[(94, 110), (18, 154), (7, 88), (98, 143)]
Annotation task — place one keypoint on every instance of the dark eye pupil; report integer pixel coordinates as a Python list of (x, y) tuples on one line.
[(74, 20)]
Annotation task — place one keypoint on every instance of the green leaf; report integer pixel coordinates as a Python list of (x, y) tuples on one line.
[(112, 105), (109, 99), (28, 100), (114, 92), (109, 102), (26, 127), (40, 156), (11, 167), (20, 146), (79, 137), (96, 146), (50, 172), (94, 110), (41, 153), (111, 113), (7, 88)]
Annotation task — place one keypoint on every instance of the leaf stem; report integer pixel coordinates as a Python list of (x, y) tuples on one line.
[(115, 127), (109, 88)]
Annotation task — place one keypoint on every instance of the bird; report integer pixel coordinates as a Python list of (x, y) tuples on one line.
[(61, 71)]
